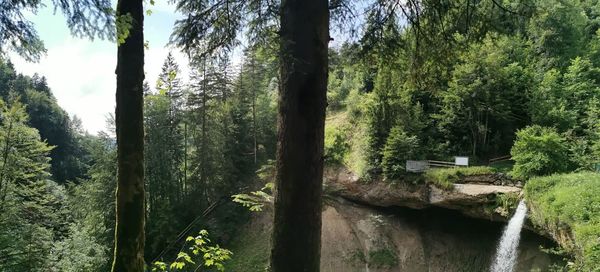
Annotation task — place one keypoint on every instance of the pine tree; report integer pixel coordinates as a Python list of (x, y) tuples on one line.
[(28, 206), (302, 96), (163, 115), (131, 206)]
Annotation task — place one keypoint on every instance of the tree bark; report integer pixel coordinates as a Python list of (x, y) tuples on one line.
[(301, 119), (204, 145), (254, 109), (130, 206)]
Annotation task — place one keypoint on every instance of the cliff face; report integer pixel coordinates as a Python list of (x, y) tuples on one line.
[(387, 226), (356, 237), (475, 199), (359, 238)]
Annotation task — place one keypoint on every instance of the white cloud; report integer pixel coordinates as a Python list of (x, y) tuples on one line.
[(82, 77), (81, 73)]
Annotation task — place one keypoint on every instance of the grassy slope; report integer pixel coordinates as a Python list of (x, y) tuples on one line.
[(354, 135), (570, 203), (446, 177), (250, 249)]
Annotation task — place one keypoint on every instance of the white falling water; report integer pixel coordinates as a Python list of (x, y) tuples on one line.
[(506, 253)]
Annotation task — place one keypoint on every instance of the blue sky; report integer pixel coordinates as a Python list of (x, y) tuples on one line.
[(80, 72)]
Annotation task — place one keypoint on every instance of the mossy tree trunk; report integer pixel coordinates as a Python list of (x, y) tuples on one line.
[(129, 231), (302, 101)]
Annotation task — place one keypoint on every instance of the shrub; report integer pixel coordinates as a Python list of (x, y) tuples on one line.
[(383, 258), (539, 151), (336, 145), (398, 148), (569, 202), (201, 255)]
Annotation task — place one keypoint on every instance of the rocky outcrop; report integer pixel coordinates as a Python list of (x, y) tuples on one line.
[(475, 199), (357, 238), (499, 179)]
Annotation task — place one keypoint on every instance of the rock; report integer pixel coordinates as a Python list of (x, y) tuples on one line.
[(378, 193), (480, 179), (474, 200), (358, 238)]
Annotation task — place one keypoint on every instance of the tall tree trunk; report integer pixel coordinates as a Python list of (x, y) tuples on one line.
[(129, 230), (301, 120), (254, 110), (203, 177), (185, 160)]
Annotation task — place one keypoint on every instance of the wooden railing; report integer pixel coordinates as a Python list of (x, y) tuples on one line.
[(441, 164), (499, 159), (422, 166)]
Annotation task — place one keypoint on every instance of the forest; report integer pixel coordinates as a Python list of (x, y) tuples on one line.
[(176, 176)]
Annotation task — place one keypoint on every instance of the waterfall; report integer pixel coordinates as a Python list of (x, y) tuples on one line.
[(506, 253)]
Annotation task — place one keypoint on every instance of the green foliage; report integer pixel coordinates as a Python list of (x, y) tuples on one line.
[(446, 177), (486, 94), (45, 227), (356, 256), (70, 160), (357, 155), (344, 78), (164, 157), (506, 203), (80, 251), (204, 143), (252, 250), (30, 206), (200, 247), (123, 24), (389, 105), (255, 201), (594, 134), (90, 240), (336, 145), (380, 115), (382, 258), (346, 141), (549, 105), (398, 148), (556, 32), (503, 166), (467, 88), (539, 151), (84, 18), (449, 86), (569, 203)]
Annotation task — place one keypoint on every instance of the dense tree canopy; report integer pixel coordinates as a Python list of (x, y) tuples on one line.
[(408, 80), (467, 89)]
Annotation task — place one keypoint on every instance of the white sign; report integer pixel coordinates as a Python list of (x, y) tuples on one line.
[(416, 166), (461, 161)]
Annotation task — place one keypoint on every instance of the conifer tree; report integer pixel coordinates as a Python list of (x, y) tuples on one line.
[(28, 208), (130, 203)]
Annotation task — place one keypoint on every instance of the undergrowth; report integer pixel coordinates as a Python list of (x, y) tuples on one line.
[(446, 177), (570, 202)]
